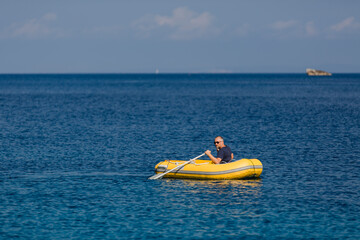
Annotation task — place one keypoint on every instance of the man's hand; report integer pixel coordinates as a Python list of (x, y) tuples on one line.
[(213, 159)]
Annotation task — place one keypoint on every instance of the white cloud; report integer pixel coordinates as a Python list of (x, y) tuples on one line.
[(293, 28), (33, 28), (242, 30), (101, 30), (282, 25), (310, 29), (345, 24), (183, 24), (49, 17)]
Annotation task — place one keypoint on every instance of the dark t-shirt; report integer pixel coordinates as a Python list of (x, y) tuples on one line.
[(225, 154)]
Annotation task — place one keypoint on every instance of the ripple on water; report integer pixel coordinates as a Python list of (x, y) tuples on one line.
[(77, 151)]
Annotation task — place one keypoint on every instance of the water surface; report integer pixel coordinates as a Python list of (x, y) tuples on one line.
[(76, 152)]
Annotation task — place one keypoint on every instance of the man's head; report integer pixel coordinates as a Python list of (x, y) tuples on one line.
[(219, 142)]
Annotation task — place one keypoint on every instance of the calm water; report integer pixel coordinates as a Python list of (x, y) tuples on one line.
[(76, 152)]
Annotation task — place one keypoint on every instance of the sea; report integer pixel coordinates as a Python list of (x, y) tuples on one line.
[(76, 152)]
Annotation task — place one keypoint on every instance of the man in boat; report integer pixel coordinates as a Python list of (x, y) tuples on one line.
[(224, 154)]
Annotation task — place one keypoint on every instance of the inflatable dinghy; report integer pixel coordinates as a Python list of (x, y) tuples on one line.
[(206, 169)]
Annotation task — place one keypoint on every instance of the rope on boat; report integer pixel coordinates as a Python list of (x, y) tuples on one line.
[(199, 164), (192, 162)]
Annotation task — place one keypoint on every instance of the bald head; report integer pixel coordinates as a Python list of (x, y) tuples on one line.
[(219, 142)]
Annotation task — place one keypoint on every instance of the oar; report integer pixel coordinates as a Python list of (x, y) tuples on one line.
[(160, 175)]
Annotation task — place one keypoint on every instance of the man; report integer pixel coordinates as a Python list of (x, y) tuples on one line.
[(224, 154)]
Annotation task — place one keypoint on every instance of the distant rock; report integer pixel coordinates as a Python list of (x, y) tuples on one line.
[(313, 72)]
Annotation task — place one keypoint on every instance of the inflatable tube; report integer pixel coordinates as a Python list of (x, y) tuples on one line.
[(206, 169)]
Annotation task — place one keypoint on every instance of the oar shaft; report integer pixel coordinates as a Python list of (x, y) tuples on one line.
[(198, 157), (187, 162), (176, 168)]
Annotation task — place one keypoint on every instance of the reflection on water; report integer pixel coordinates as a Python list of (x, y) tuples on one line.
[(229, 191), (223, 183), (208, 207)]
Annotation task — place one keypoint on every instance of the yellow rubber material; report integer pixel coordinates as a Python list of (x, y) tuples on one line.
[(206, 169)]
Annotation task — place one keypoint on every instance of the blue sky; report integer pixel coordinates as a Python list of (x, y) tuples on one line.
[(179, 36)]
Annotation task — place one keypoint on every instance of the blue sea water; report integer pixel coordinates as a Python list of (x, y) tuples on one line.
[(76, 152)]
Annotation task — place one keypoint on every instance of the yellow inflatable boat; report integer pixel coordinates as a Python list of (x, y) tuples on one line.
[(206, 169)]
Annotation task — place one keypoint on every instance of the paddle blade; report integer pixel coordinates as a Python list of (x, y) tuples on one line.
[(156, 176)]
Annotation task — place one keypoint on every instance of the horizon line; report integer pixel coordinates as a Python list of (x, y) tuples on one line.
[(162, 73)]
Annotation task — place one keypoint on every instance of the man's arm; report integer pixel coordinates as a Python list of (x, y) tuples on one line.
[(213, 159)]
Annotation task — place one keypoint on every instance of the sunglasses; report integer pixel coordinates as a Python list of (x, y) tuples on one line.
[(216, 142)]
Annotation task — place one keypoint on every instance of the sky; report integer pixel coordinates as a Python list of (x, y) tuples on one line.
[(179, 36)]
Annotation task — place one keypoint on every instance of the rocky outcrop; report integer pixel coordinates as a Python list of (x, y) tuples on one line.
[(313, 72)]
